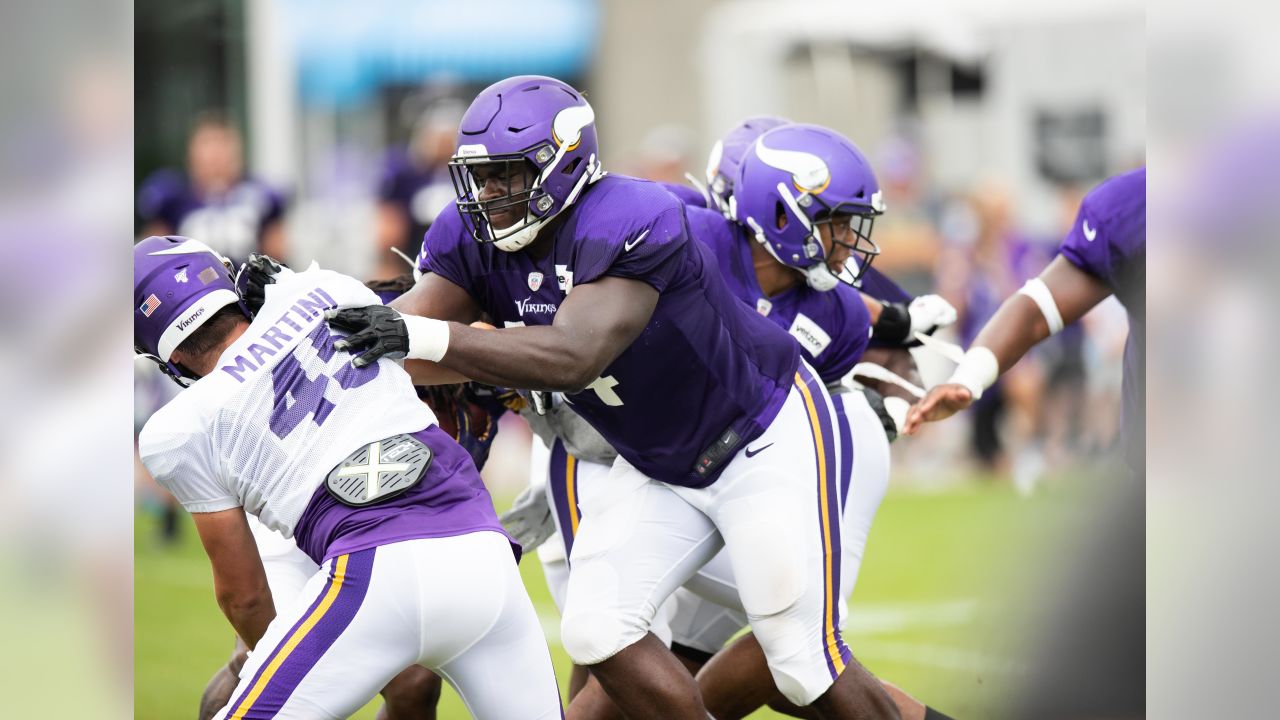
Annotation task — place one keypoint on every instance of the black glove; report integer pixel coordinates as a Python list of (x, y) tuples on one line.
[(254, 277), (377, 328)]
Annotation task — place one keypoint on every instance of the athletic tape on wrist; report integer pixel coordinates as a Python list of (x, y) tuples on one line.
[(1040, 295), (977, 371), (428, 338)]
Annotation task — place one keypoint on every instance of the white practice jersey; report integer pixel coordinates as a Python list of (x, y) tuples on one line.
[(281, 410)]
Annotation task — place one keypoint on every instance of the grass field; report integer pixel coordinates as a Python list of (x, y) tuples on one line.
[(938, 608)]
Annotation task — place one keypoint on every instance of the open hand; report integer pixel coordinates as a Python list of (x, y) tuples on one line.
[(941, 402)]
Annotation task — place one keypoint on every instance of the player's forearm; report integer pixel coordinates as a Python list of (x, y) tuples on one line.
[(1015, 328), (528, 358), (249, 613), (874, 307), (427, 373)]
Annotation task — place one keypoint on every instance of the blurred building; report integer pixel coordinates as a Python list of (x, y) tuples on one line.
[(1035, 95)]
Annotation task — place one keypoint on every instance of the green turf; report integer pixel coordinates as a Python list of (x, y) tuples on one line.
[(935, 611)]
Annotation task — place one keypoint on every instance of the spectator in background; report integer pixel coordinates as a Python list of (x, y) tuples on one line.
[(214, 200), (415, 186), (977, 269), (909, 231)]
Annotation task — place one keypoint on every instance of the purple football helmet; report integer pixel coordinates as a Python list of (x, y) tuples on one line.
[(534, 139), (794, 179), (178, 284), (726, 156)]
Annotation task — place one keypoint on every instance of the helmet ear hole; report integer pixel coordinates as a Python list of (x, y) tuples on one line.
[(571, 167), (779, 216)]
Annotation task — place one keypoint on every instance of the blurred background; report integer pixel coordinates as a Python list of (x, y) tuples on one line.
[(318, 130), (951, 97)]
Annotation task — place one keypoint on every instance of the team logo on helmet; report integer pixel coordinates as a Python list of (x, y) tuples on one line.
[(566, 129), (535, 281), (808, 172)]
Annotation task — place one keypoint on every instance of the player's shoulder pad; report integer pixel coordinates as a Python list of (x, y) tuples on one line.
[(618, 208), (711, 228), (687, 194)]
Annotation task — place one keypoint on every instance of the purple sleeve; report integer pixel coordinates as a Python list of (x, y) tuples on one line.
[(450, 252), (1110, 228), (1080, 246), (640, 252), (158, 195)]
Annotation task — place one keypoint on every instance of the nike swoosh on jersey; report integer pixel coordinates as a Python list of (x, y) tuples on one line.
[(626, 247), (757, 451), (1089, 233)]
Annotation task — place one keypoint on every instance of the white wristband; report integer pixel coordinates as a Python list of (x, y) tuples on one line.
[(977, 371), (428, 338), (1040, 295)]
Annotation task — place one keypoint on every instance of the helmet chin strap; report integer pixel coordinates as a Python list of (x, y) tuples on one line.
[(816, 276), (820, 278), (519, 239)]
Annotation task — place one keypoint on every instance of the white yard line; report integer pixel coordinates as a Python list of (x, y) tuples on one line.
[(882, 618)]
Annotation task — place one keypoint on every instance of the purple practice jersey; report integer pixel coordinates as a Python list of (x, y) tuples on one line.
[(832, 328), (878, 285), (232, 224), (1109, 241), (420, 193), (705, 367)]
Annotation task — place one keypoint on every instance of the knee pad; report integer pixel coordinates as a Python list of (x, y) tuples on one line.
[(591, 636), (795, 658)]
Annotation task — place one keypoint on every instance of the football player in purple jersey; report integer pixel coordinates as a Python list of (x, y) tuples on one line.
[(1104, 254), (213, 199), (778, 263), (895, 315), (725, 438)]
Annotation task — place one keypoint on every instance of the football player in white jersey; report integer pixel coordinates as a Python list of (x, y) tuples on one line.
[(351, 466)]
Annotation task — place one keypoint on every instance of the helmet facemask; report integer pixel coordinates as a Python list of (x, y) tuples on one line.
[(850, 227), (525, 197), (521, 206)]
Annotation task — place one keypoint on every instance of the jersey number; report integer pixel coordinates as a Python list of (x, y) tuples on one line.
[(297, 396), (603, 387)]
